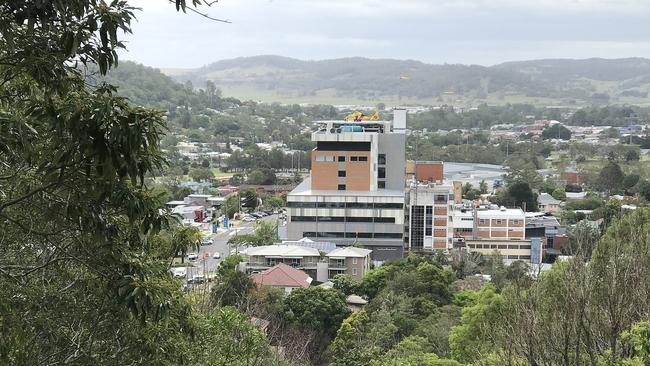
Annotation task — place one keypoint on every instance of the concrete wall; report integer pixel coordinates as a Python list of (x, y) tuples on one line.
[(394, 146)]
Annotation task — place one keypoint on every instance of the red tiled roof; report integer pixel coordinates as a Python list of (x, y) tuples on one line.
[(282, 275)]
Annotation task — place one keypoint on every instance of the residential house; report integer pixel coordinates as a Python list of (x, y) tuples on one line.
[(548, 204), (283, 277)]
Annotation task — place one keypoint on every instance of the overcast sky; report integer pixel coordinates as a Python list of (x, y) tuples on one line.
[(482, 32)]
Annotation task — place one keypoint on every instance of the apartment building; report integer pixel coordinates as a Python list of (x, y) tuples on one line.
[(349, 260), (355, 191), (266, 256), (430, 216)]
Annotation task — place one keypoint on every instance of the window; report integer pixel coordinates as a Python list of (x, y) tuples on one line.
[(354, 271), (381, 173), (341, 158), (516, 222), (331, 204), (354, 158), (498, 221), (303, 218), (482, 221), (327, 158), (388, 235), (341, 173), (354, 260), (307, 234), (330, 218), (358, 219), (358, 235), (363, 158), (381, 159), (389, 205), (359, 205), (341, 187), (301, 204), (381, 184), (385, 219)]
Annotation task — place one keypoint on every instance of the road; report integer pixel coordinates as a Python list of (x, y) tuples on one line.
[(220, 244)]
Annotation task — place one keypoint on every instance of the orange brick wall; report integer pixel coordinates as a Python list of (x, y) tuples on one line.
[(429, 172), (324, 174), (357, 173)]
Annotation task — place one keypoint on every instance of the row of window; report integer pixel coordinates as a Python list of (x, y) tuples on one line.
[(331, 158), (342, 219), (362, 205), (499, 246), (338, 234), (496, 221)]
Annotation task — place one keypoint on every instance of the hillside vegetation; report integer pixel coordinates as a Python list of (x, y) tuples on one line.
[(362, 80)]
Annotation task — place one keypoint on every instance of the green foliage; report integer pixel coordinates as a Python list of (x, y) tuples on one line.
[(262, 176), (610, 178), (639, 340), (265, 233), (316, 308), (227, 337), (559, 194), (201, 174), (469, 339), (346, 284), (556, 131), (231, 286)]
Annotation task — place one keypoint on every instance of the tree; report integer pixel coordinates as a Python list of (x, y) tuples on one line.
[(232, 286), (520, 194), (643, 189), (559, 194), (78, 277), (610, 177), (346, 284), (556, 131), (227, 337), (249, 199), (483, 186), (316, 308), (262, 176), (201, 174)]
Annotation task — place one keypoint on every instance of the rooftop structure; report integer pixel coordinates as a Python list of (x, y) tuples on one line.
[(282, 276)]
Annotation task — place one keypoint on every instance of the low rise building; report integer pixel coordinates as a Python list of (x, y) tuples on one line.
[(548, 204), (350, 261), (529, 250), (283, 277)]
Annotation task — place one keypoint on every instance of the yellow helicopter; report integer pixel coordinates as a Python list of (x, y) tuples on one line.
[(359, 116)]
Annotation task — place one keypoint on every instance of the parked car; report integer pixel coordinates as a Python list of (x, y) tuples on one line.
[(199, 279), (216, 255), (249, 218), (206, 241), (193, 256), (179, 272)]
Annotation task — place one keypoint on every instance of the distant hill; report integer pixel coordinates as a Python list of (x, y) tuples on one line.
[(362, 80)]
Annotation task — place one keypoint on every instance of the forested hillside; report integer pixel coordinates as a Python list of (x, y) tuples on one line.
[(580, 82)]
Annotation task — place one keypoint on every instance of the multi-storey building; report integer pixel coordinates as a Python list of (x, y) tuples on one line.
[(430, 216), (355, 191), (489, 223), (349, 260)]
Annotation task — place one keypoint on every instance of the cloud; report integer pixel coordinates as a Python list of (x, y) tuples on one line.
[(463, 31)]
